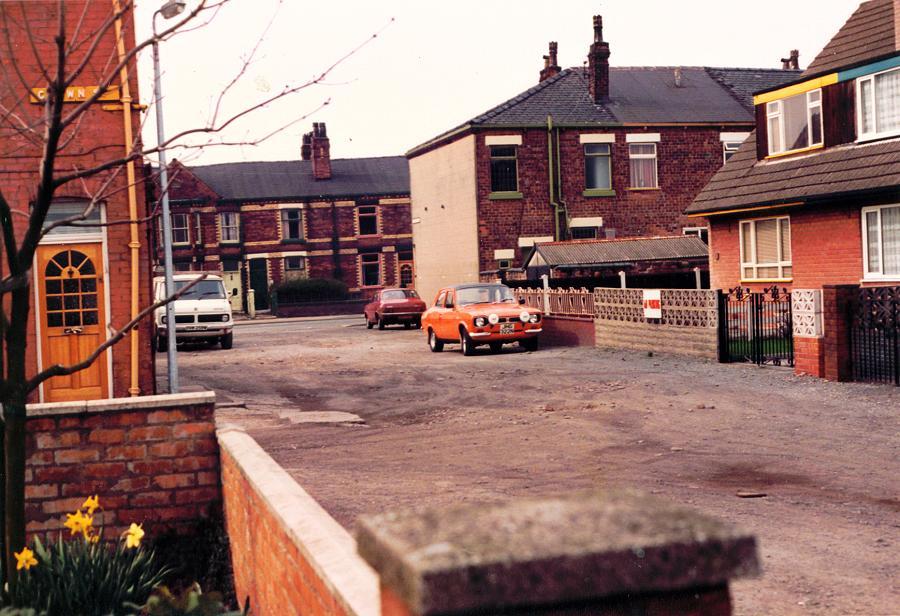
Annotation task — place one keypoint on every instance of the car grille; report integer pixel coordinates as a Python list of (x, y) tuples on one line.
[(184, 318), (209, 318)]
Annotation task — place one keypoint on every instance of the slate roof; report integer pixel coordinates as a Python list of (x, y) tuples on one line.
[(257, 181), (744, 182), (630, 250), (870, 33), (637, 95)]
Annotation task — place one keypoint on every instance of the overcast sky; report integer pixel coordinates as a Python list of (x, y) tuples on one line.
[(435, 64)]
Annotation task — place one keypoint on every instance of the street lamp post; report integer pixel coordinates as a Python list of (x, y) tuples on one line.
[(168, 10)]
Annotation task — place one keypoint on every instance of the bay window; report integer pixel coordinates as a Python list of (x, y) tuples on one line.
[(795, 123), (878, 102), (881, 242), (766, 249)]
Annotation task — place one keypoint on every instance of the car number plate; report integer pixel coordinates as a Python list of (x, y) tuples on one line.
[(195, 328), (507, 328)]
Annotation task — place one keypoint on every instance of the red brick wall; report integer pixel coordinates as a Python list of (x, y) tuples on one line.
[(100, 138), (809, 356), (568, 331), (687, 157), (152, 460)]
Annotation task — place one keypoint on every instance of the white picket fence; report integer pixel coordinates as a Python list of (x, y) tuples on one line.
[(564, 302)]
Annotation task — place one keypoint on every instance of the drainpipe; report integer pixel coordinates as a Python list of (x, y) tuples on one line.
[(551, 180), (561, 208), (134, 244)]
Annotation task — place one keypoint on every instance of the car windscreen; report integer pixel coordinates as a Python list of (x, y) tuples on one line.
[(399, 294), (491, 293), (205, 289)]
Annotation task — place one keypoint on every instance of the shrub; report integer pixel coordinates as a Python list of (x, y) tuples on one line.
[(308, 290), (192, 602)]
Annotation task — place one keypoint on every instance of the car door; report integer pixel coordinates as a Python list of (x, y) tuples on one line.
[(372, 306), (449, 318), (434, 313)]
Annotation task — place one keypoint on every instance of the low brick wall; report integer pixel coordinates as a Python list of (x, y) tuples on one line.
[(320, 309), (288, 555), (568, 331), (689, 323), (152, 460)]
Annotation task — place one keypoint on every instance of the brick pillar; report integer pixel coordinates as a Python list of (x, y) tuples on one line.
[(809, 347), (610, 552), (836, 306)]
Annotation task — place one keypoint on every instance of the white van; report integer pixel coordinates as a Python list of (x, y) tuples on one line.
[(202, 313)]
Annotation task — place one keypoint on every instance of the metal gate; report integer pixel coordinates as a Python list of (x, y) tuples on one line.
[(756, 326), (875, 335)]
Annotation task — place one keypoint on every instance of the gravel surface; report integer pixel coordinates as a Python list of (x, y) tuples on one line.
[(810, 467)]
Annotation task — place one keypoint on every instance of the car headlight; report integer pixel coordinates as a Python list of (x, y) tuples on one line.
[(480, 321), (535, 318), (525, 316), (493, 319), (225, 317)]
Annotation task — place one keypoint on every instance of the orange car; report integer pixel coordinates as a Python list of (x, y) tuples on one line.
[(476, 314)]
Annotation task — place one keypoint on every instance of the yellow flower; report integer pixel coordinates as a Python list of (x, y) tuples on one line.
[(91, 504), (25, 559), (133, 536), (78, 523)]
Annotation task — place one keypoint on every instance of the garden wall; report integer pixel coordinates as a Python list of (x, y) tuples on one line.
[(689, 323), (568, 331), (288, 555), (151, 459), (318, 309)]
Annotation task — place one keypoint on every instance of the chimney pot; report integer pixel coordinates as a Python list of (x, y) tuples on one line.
[(321, 152), (792, 62), (551, 68), (598, 64)]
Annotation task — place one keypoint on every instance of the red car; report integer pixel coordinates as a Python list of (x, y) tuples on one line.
[(394, 306)]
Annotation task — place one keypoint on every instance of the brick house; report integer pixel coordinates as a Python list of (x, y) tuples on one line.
[(589, 152), (86, 279), (259, 223), (812, 198)]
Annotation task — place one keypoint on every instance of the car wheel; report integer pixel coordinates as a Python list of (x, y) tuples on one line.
[(407, 325), (496, 346), (227, 341), (465, 343), (162, 344), (434, 344), (380, 322), (529, 344), (369, 324)]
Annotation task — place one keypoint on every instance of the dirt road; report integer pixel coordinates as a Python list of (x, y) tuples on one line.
[(443, 428)]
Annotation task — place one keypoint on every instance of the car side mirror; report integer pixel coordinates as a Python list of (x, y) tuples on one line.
[(521, 301)]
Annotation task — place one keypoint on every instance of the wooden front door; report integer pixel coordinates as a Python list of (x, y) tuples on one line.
[(259, 282), (72, 315), (232, 282)]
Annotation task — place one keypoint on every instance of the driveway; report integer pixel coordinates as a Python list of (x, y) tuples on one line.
[(810, 467)]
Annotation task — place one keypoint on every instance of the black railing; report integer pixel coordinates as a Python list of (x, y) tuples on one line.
[(756, 327), (875, 335)]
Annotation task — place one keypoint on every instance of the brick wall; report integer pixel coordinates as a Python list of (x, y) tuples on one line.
[(809, 356), (568, 331), (152, 460), (288, 555), (689, 325)]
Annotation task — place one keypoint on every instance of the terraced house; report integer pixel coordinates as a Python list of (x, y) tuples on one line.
[(259, 223), (812, 198), (589, 152)]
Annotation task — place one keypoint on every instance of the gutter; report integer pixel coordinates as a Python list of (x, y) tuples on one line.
[(134, 243)]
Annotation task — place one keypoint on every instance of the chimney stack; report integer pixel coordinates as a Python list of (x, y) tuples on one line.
[(598, 64), (321, 152), (551, 68), (306, 148), (793, 62), (678, 81)]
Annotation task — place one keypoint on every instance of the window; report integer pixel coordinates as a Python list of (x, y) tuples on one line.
[(642, 158), (701, 232), (231, 265), (180, 229), (729, 148), (584, 233), (229, 223), (292, 224), (795, 123), (407, 272), (368, 220), (60, 211), (878, 98), (504, 264), (439, 302), (182, 266), (294, 264), (504, 170), (198, 238), (597, 166), (766, 249), (881, 241), (370, 270)]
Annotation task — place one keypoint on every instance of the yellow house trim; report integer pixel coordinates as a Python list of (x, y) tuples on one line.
[(798, 151), (797, 88), (746, 209), (403, 201)]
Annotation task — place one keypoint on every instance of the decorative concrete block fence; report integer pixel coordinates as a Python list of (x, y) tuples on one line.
[(151, 459)]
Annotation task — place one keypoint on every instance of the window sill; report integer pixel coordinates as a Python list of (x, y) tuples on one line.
[(293, 241), (598, 192), (649, 188), (878, 137), (365, 237), (757, 280), (811, 148), (880, 279), (511, 194), (229, 243)]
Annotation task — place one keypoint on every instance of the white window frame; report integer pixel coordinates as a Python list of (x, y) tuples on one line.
[(747, 263), (730, 147), (867, 275), (859, 116), (186, 227), (775, 111), (696, 232), (362, 275), (589, 156), (236, 226), (199, 238), (302, 267), (654, 156), (285, 221)]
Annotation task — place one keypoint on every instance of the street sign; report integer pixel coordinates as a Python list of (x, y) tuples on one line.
[(652, 304), (77, 94)]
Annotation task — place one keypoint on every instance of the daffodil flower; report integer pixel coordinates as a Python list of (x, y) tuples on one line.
[(25, 559), (91, 504), (77, 522), (133, 536)]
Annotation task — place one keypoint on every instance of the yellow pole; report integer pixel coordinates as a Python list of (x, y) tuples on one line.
[(134, 245)]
